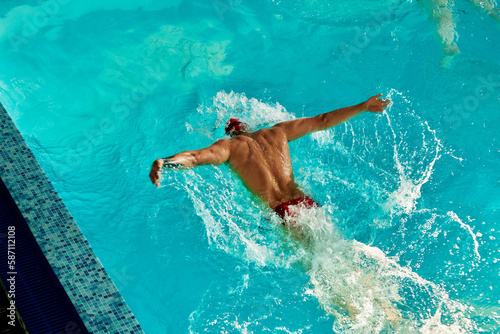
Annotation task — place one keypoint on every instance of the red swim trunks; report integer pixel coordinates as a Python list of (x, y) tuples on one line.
[(283, 210)]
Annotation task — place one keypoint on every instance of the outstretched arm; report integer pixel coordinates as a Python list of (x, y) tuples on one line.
[(303, 126), (216, 154)]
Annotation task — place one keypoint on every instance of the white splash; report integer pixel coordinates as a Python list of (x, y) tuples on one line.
[(406, 196), (251, 111), (466, 227)]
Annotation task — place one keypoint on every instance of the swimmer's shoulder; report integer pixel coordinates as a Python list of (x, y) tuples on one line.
[(268, 135), (272, 135)]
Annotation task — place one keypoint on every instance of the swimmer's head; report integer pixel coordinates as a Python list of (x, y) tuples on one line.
[(234, 127)]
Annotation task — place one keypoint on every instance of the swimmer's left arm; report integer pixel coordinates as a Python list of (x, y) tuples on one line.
[(216, 154)]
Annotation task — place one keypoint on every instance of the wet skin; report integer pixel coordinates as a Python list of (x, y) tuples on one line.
[(262, 158)]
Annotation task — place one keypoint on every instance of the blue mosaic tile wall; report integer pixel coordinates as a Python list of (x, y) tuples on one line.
[(95, 297)]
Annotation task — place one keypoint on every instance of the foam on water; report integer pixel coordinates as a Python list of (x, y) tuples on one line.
[(356, 283), (367, 291)]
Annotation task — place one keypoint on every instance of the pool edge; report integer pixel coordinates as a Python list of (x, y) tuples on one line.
[(92, 292)]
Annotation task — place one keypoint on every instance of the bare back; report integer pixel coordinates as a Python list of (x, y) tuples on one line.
[(262, 161), (262, 158)]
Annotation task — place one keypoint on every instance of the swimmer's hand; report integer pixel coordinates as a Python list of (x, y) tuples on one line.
[(158, 166), (376, 105), (156, 170)]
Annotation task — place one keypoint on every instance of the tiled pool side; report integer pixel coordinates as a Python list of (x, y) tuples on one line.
[(94, 295)]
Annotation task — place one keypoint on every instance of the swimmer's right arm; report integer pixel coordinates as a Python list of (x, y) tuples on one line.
[(216, 154), (303, 126)]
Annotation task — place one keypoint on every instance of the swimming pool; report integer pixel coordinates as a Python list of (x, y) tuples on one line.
[(410, 197)]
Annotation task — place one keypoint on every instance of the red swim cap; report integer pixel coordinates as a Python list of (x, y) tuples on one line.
[(234, 126)]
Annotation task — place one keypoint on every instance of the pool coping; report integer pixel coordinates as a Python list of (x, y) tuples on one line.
[(95, 297)]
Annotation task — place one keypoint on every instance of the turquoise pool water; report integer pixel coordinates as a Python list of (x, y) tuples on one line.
[(409, 224)]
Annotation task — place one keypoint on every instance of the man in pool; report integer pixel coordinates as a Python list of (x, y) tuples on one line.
[(262, 158)]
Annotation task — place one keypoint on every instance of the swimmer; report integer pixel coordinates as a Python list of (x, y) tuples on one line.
[(442, 12), (262, 158)]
